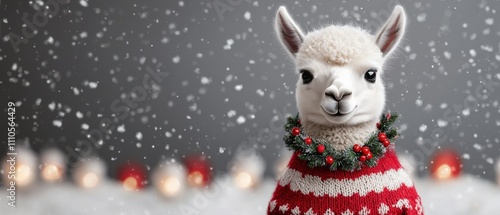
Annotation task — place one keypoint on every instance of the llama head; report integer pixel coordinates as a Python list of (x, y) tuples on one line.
[(340, 67)]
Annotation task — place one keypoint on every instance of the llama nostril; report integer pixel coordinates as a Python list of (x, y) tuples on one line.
[(331, 95), (339, 97)]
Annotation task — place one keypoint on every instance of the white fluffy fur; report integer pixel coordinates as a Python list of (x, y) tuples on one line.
[(338, 58)]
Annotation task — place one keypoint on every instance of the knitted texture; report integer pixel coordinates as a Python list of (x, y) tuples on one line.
[(384, 189)]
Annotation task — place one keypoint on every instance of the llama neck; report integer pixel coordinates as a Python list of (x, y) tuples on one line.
[(341, 136)]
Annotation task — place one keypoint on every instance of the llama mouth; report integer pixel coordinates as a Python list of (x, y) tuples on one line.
[(338, 114)]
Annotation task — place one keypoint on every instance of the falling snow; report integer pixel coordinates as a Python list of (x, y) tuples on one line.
[(247, 15), (229, 43), (57, 123), (205, 80), (240, 120), (121, 65), (84, 3), (176, 59)]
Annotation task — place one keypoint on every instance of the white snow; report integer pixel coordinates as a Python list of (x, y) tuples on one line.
[(138, 136), (489, 21), (419, 102), (247, 15), (176, 59), (467, 195), (422, 128), (79, 115), (205, 80), (228, 45), (240, 120), (84, 3), (260, 92), (93, 85), (57, 123), (231, 113), (442, 123), (447, 55), (121, 128), (83, 34), (168, 134)]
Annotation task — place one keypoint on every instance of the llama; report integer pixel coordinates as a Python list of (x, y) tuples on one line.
[(340, 96)]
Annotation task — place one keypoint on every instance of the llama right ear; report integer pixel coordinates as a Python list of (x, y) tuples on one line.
[(389, 36), (288, 32)]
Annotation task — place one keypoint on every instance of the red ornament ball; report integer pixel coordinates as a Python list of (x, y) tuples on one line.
[(362, 158), (356, 148), (320, 149), (369, 156), (198, 168), (382, 137), (365, 150), (308, 141), (378, 125), (329, 160), (295, 131), (446, 164), (298, 121), (388, 116), (386, 142), (132, 176)]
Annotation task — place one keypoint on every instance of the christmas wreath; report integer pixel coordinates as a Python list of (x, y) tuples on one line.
[(319, 153)]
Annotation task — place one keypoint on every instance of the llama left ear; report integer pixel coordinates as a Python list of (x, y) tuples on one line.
[(288, 32), (389, 36)]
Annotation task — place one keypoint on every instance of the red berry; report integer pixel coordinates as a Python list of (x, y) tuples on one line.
[(356, 148), (386, 142), (308, 141), (365, 150), (320, 149), (382, 137), (295, 131), (378, 125), (298, 121), (369, 155), (388, 116), (329, 160), (362, 158)]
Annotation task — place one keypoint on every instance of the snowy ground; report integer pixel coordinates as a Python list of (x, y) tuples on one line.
[(466, 195)]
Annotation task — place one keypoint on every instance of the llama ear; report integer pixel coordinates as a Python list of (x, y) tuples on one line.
[(389, 36), (288, 32)]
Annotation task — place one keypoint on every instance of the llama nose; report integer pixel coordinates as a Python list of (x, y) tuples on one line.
[(338, 95)]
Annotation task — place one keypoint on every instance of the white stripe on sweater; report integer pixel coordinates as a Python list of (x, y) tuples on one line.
[(390, 179)]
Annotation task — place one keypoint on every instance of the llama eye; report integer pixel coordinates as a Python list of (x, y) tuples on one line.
[(371, 75), (307, 77)]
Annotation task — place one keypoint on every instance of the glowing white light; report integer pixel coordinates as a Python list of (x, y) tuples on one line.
[(171, 186), (51, 173), (244, 180), (443, 172), (169, 178), (24, 175), (89, 173), (90, 180), (130, 184)]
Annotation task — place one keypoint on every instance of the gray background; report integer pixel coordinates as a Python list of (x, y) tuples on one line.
[(450, 49)]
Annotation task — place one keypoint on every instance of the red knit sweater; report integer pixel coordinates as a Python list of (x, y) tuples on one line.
[(383, 189)]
